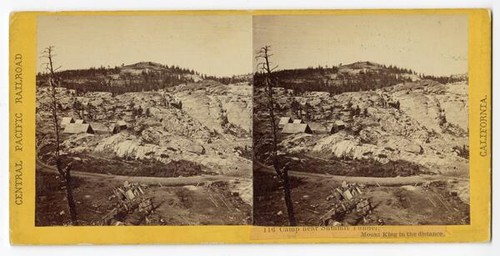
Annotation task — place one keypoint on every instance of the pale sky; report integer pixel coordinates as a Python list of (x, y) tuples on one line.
[(213, 45), (430, 44)]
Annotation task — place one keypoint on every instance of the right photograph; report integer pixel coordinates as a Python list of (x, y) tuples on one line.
[(361, 120)]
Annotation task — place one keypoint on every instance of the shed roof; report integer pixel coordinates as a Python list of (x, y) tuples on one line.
[(340, 123), (67, 120), (99, 127), (296, 128), (79, 121), (285, 120), (298, 121), (74, 128), (121, 123), (317, 127)]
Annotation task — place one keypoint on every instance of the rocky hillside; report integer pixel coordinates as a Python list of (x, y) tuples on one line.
[(422, 122), (206, 123)]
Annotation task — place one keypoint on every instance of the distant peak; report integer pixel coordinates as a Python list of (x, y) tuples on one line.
[(362, 64), (144, 64)]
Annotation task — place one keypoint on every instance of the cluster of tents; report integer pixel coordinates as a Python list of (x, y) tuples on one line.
[(72, 126), (287, 125)]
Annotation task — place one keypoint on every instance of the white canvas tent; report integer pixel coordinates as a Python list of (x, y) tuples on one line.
[(296, 128), (284, 120), (66, 120), (99, 128), (78, 128)]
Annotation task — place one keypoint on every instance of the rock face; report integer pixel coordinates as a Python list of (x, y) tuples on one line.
[(205, 122), (217, 105), (422, 122)]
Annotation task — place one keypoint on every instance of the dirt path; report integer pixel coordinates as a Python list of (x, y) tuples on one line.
[(381, 181), (164, 181), (194, 180)]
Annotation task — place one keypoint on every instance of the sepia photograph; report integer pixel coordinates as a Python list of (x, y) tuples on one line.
[(361, 120), (255, 126), (144, 120)]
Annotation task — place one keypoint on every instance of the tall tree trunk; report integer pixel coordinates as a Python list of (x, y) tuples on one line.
[(282, 172), (288, 198), (66, 172), (69, 195)]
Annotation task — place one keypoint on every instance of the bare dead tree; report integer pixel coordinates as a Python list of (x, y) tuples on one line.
[(264, 65), (164, 99), (64, 172)]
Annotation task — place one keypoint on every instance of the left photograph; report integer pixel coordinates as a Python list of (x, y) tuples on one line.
[(144, 120)]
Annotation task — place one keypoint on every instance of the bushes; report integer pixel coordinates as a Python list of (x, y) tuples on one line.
[(462, 151), (147, 167)]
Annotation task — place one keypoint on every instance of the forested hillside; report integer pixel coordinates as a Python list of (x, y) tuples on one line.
[(142, 76), (358, 76)]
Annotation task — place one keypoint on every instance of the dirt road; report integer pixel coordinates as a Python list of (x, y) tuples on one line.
[(196, 180), (382, 181), (164, 181)]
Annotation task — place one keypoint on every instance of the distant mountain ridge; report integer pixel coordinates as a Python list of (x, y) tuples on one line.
[(140, 76), (357, 76)]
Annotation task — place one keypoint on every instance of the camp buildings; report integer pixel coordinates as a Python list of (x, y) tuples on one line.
[(74, 128), (296, 128), (283, 121), (287, 125), (66, 120), (69, 125)]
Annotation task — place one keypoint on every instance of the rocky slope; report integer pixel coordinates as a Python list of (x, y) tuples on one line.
[(422, 122), (205, 123)]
